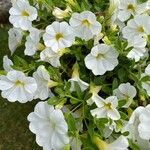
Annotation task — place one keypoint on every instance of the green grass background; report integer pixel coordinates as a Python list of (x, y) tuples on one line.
[(14, 130)]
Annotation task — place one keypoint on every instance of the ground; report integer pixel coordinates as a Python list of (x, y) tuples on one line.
[(14, 127)]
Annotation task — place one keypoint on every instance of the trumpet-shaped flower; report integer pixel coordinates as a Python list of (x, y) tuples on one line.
[(138, 26), (101, 59), (58, 36), (106, 108), (44, 83), (22, 14), (119, 144), (127, 92), (126, 9), (138, 43), (60, 14), (16, 86), (138, 127), (15, 38), (94, 91), (48, 55), (49, 126), (76, 79), (85, 25), (33, 42)]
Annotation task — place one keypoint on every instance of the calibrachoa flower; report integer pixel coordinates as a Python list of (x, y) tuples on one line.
[(48, 55), (138, 43), (33, 42), (106, 108), (146, 84), (138, 26), (138, 127), (101, 59), (16, 86), (44, 83), (76, 79), (87, 65), (127, 92), (49, 126), (58, 35), (15, 38), (85, 25), (94, 91), (119, 144), (126, 9), (22, 14)]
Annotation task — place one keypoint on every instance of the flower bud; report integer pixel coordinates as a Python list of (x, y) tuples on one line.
[(60, 14), (113, 4)]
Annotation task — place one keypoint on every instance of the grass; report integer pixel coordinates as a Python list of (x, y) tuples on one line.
[(14, 130)]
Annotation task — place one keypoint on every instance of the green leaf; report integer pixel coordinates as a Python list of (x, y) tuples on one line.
[(78, 90), (54, 73), (53, 100), (145, 79), (123, 115), (114, 84), (121, 103), (122, 74), (71, 122), (133, 146)]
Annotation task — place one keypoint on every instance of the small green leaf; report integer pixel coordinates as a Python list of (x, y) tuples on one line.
[(145, 79), (53, 100)]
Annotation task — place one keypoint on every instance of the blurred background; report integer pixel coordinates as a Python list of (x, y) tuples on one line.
[(14, 127)]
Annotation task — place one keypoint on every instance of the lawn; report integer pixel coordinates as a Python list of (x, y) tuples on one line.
[(14, 130)]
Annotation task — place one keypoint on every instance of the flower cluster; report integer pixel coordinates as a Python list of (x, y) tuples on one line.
[(88, 66)]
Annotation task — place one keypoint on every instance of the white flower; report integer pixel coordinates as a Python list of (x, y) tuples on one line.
[(33, 42), (22, 14), (85, 25), (44, 83), (94, 91), (138, 26), (119, 144), (146, 84), (16, 86), (48, 55), (60, 14), (127, 92), (138, 127), (126, 9), (15, 38), (7, 63), (83, 85), (106, 108), (76, 79), (58, 36), (49, 126), (101, 59), (138, 43)]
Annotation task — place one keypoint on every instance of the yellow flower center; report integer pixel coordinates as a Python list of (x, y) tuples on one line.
[(100, 56), (19, 83), (24, 13), (140, 29), (58, 36), (131, 7), (108, 106), (86, 23)]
